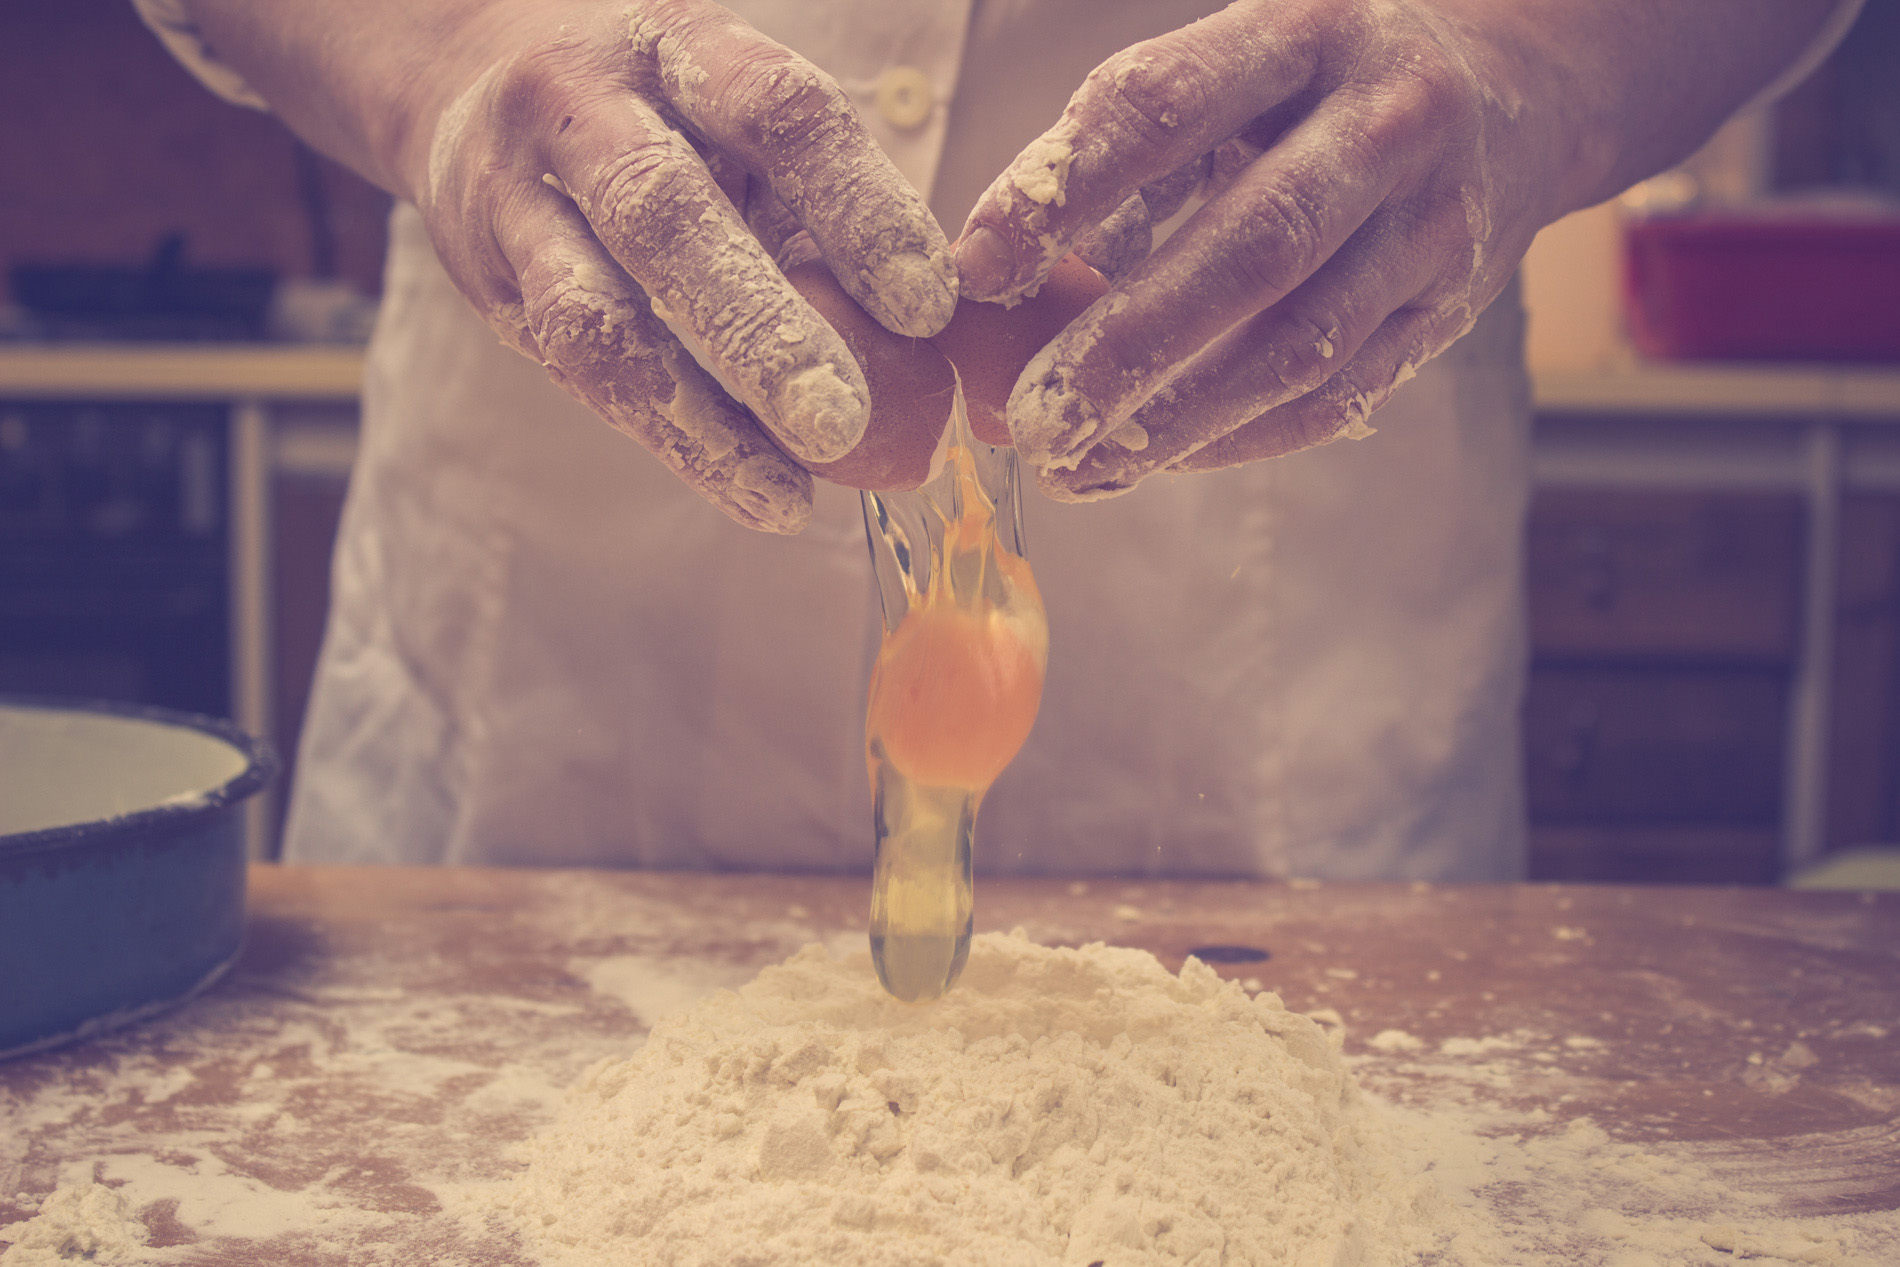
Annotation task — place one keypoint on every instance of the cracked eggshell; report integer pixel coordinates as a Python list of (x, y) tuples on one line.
[(990, 344), (912, 386)]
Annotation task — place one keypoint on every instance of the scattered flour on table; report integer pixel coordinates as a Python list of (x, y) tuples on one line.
[(1516, 1183), (654, 986), (322, 1120), (1394, 1040), (1060, 1106)]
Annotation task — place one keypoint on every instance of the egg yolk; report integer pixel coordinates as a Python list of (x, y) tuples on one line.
[(957, 688)]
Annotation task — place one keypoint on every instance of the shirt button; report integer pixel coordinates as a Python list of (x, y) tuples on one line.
[(904, 96)]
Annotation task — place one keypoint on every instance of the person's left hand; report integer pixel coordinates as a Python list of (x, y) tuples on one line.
[(1374, 174), (1359, 230)]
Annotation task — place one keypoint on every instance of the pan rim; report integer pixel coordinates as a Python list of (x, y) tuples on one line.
[(261, 765)]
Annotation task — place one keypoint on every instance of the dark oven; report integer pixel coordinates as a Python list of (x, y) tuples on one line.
[(114, 552)]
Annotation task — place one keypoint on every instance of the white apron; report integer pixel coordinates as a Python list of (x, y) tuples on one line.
[(542, 649)]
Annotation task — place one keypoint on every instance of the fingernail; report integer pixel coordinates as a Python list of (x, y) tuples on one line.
[(1053, 424), (795, 250), (824, 415), (1063, 486), (918, 292), (987, 264), (769, 494)]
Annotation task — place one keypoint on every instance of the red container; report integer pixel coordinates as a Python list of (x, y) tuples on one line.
[(1764, 287)]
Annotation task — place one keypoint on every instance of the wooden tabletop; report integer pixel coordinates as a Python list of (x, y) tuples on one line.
[(389, 1034)]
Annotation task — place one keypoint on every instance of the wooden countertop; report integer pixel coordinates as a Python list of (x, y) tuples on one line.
[(1733, 389), (391, 1032), (181, 371)]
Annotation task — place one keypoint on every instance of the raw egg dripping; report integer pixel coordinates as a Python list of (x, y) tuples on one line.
[(959, 674), (954, 693)]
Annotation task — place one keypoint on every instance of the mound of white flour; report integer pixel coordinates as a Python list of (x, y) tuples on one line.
[(1058, 1107), (83, 1223)]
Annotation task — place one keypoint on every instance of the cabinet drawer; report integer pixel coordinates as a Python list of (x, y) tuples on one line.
[(1657, 744), (1668, 855), (1664, 575)]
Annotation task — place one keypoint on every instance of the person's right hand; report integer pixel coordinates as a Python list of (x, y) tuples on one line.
[(584, 166), (602, 167)]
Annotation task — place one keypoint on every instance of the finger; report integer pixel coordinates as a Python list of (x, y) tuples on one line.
[(1271, 358), (1120, 242), (1125, 238), (1277, 222), (657, 210), (1164, 197), (1343, 404), (594, 330), (770, 220), (1138, 116), (788, 122)]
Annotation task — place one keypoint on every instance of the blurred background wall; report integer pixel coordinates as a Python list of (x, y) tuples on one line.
[(108, 145)]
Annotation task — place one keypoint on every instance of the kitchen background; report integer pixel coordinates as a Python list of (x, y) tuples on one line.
[(1714, 548)]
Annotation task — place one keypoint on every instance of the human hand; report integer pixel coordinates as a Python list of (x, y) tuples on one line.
[(1373, 174), (596, 164)]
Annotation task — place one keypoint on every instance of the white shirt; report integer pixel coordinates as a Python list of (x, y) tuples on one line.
[(544, 650)]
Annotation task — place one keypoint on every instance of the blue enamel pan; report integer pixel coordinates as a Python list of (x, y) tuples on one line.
[(121, 862)]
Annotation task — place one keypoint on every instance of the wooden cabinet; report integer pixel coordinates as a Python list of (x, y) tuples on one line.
[(1648, 853), (1664, 632), (1666, 640), (1639, 744), (1643, 575)]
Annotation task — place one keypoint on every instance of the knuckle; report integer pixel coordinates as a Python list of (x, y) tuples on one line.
[(1133, 358), (1287, 245), (772, 98), (1425, 91), (565, 333), (1154, 88), (1434, 83), (640, 186), (579, 331), (522, 85), (535, 86)]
